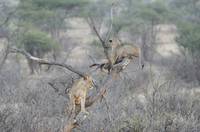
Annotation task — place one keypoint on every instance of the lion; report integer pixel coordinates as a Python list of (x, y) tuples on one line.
[(117, 53), (78, 92)]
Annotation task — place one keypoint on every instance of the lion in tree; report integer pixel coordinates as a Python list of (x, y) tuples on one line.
[(117, 54)]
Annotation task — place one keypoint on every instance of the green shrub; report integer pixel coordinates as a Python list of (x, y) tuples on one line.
[(38, 40), (189, 35)]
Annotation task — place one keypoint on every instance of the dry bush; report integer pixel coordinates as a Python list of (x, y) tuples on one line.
[(137, 102)]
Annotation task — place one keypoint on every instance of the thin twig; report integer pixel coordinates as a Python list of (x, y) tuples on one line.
[(111, 24)]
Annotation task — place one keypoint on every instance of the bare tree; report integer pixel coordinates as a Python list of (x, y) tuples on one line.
[(71, 122)]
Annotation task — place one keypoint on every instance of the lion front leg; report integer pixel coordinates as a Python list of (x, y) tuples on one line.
[(83, 106), (72, 106)]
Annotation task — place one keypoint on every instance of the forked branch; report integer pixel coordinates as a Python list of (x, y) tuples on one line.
[(92, 25), (104, 43)]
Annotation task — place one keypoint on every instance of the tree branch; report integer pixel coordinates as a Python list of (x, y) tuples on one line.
[(104, 43), (46, 62), (92, 25), (111, 24)]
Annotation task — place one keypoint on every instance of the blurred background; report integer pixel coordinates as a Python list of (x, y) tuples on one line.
[(163, 97)]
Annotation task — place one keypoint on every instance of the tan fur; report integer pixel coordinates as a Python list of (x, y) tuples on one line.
[(114, 44), (126, 51), (117, 53), (79, 91)]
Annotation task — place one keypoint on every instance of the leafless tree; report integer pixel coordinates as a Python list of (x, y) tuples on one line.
[(71, 123)]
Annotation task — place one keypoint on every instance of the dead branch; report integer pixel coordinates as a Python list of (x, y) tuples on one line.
[(111, 24), (46, 62), (92, 25), (103, 42)]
